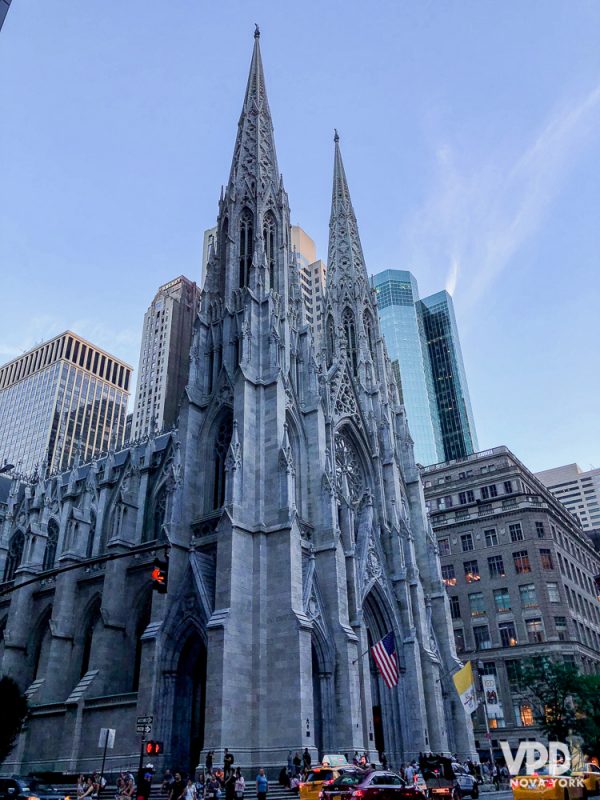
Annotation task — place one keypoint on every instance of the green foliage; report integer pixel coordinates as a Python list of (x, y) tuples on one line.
[(14, 713), (565, 702)]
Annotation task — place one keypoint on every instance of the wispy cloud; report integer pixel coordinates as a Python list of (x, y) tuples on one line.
[(478, 215)]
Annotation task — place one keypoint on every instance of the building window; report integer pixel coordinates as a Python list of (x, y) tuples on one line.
[(444, 547), (330, 340), (246, 245), (508, 488), (489, 491), (14, 555), (553, 593), (508, 634), (466, 497), (535, 630), (560, 623), (502, 600), (459, 640), (445, 502), (546, 559), (350, 333), (496, 567), (448, 575), (521, 560), (454, 607), (491, 537), (269, 239), (526, 715), (540, 530), (481, 634), (516, 532), (528, 596), (466, 541), (222, 440), (51, 545), (513, 672), (471, 571), (477, 604)]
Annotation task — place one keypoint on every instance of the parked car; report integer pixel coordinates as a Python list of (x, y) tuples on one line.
[(374, 785), (447, 778), (310, 789), (27, 789)]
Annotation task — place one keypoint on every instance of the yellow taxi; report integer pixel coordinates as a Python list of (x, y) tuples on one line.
[(544, 785), (590, 774), (330, 768)]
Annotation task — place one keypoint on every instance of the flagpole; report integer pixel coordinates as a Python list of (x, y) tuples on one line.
[(362, 655)]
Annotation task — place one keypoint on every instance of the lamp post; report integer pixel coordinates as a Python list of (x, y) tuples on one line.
[(480, 668)]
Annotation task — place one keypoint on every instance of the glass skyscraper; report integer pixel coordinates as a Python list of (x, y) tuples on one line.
[(422, 341), (65, 395)]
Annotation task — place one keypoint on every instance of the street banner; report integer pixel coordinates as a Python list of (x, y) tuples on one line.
[(465, 686), (490, 695)]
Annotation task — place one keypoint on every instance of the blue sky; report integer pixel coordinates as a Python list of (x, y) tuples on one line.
[(470, 134)]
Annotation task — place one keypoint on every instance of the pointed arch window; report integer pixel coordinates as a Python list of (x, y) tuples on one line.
[(350, 334), (14, 555), (269, 239), (330, 340), (160, 513), (222, 441), (370, 332), (246, 245), (51, 545), (89, 550)]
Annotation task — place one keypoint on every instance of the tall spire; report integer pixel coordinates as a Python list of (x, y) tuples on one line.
[(254, 159), (346, 262)]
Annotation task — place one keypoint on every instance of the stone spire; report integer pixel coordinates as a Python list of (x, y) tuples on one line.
[(254, 158), (346, 271)]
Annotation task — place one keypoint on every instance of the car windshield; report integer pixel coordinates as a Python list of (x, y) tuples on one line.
[(348, 779), (321, 775)]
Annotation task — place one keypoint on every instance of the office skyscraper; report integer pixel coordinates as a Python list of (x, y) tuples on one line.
[(423, 343), (4, 5), (64, 396), (164, 355), (313, 273), (579, 491)]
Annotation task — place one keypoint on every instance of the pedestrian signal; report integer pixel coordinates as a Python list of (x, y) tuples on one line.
[(154, 748), (160, 576)]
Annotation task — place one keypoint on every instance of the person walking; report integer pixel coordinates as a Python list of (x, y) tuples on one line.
[(240, 785), (306, 759), (177, 788), (262, 785), (189, 792)]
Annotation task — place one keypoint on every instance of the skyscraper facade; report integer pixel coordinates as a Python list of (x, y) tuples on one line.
[(423, 342), (313, 275), (401, 325), (4, 5), (578, 490), (164, 355), (448, 375), (65, 396)]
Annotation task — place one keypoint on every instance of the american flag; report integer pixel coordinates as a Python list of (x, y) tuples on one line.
[(384, 653)]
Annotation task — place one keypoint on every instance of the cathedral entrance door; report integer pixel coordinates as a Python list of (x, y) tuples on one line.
[(189, 704)]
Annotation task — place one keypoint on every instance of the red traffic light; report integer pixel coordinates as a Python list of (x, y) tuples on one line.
[(160, 576), (154, 748)]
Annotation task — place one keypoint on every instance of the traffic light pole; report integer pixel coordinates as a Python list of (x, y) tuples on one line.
[(141, 764)]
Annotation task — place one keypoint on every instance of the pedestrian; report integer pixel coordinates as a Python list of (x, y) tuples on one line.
[(240, 784), (91, 788), (177, 788), (213, 787), (189, 792), (229, 784), (410, 774), (290, 762), (228, 760), (80, 785), (306, 759), (297, 763), (383, 759), (262, 785), (209, 762), (167, 782)]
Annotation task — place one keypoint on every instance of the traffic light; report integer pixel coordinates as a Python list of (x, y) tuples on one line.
[(160, 576), (154, 748)]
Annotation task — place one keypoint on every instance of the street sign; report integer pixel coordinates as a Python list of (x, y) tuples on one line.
[(145, 720), (143, 728), (107, 738)]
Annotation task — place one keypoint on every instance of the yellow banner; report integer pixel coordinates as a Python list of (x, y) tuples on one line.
[(463, 680)]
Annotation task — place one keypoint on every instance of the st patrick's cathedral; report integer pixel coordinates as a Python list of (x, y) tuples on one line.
[(293, 514)]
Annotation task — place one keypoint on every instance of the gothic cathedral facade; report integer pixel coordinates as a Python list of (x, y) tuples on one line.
[(293, 512)]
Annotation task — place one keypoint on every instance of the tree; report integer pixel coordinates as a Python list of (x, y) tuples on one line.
[(14, 713), (589, 721), (557, 693)]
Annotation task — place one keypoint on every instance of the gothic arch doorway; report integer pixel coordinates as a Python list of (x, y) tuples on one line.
[(387, 729), (187, 738)]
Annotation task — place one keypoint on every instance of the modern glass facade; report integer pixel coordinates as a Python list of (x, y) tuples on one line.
[(397, 296), (422, 341), (62, 397), (449, 379)]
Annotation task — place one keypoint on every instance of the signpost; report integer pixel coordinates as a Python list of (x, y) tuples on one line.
[(106, 740), (143, 726)]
